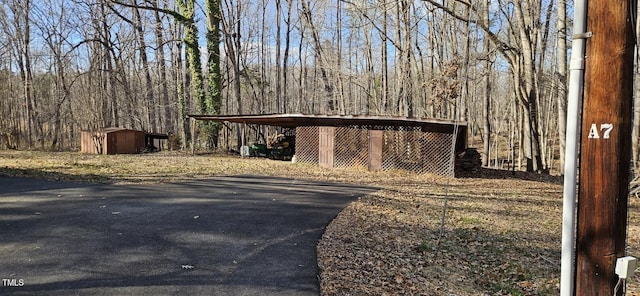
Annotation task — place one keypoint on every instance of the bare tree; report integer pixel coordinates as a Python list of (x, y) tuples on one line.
[(486, 91), (343, 56), (519, 51), (166, 120), (285, 60), (150, 102), (278, 59), (17, 28), (55, 26), (320, 55)]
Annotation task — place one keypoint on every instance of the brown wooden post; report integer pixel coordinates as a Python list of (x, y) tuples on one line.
[(605, 148), (376, 141)]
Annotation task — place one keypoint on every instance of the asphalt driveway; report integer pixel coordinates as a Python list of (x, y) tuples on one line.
[(222, 236)]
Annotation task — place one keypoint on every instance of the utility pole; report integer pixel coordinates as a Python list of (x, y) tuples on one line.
[(605, 149)]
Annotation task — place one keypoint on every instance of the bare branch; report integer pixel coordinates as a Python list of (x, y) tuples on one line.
[(503, 47), (178, 16), (380, 30)]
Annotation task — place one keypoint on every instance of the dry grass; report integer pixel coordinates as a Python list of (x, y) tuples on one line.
[(501, 236)]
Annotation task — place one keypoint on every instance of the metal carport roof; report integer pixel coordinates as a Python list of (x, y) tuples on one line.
[(295, 120)]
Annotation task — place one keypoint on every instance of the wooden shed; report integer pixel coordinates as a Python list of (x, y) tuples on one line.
[(112, 141), (373, 142)]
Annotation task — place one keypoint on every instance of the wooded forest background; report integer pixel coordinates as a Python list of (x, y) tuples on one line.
[(500, 65)]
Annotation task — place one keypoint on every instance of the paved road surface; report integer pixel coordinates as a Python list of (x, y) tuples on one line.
[(222, 236)]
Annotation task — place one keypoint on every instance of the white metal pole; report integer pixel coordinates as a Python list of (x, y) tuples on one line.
[(576, 86)]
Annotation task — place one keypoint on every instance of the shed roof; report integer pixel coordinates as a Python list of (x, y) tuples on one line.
[(295, 120), (107, 130)]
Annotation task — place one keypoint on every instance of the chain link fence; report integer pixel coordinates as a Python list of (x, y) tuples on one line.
[(402, 148)]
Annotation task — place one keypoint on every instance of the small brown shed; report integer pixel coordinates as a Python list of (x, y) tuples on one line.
[(112, 141)]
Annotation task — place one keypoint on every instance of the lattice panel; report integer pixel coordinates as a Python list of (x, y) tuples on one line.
[(307, 144), (437, 148), (351, 147), (403, 148)]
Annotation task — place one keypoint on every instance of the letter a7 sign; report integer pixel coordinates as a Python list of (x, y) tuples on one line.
[(604, 132)]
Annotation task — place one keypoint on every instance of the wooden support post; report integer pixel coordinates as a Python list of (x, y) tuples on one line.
[(605, 146), (376, 144), (244, 134)]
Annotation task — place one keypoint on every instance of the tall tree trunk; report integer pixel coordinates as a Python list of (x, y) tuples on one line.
[(232, 27), (372, 82), (54, 38), (543, 40), (21, 39), (214, 79), (527, 90), (238, 90), (407, 92), (166, 122), (319, 51), (384, 99), (27, 75), (561, 74), (109, 78), (264, 45), (338, 57), (399, 65), (278, 58), (464, 69), (187, 9), (150, 103), (181, 82), (285, 62), (303, 75), (486, 98)]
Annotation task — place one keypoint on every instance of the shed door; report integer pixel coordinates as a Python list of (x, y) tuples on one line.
[(375, 149), (326, 146), (111, 147)]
